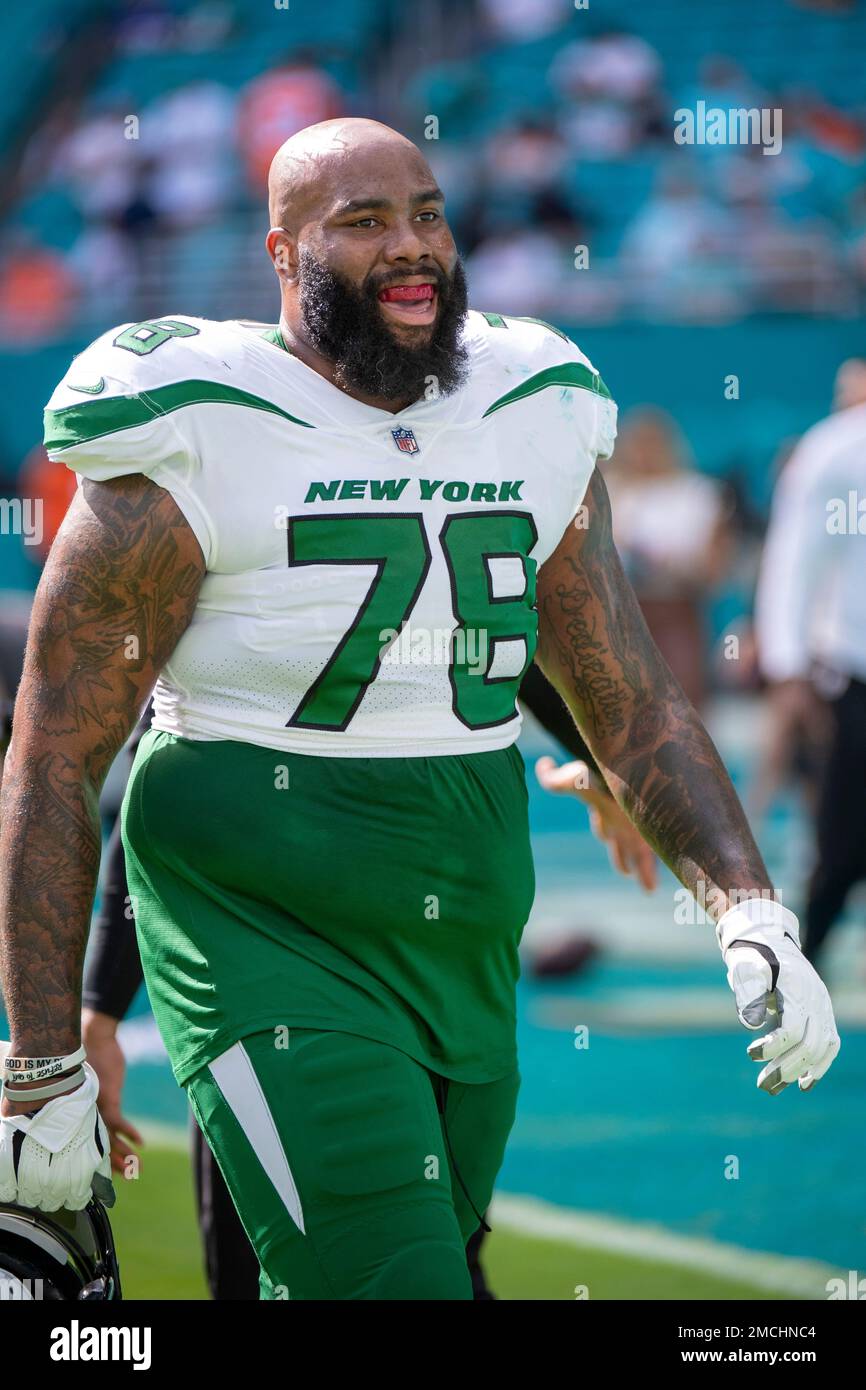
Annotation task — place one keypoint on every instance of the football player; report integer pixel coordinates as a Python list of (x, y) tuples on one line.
[(325, 827)]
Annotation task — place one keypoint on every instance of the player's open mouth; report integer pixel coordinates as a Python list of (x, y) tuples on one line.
[(410, 303)]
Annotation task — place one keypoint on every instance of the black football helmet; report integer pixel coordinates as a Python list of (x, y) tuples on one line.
[(61, 1254)]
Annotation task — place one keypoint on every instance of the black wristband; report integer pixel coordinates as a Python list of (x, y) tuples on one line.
[(550, 710)]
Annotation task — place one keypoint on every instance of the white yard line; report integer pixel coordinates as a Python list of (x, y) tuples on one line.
[(780, 1274), (784, 1275)]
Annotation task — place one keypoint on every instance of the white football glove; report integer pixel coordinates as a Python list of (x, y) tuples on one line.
[(774, 983), (65, 1154)]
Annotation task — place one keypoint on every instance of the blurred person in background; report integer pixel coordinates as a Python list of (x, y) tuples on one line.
[(671, 528), (277, 105), (148, 26), (523, 255), (526, 157), (676, 251), (189, 137), (98, 161), (811, 625), (54, 488), (721, 82), (37, 292), (520, 21), (520, 226), (610, 87), (792, 752)]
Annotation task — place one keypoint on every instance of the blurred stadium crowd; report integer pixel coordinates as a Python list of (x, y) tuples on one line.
[(156, 120)]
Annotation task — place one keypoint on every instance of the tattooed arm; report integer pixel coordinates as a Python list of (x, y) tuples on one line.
[(118, 590), (656, 755)]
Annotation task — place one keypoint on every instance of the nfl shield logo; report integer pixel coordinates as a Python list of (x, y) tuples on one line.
[(405, 441)]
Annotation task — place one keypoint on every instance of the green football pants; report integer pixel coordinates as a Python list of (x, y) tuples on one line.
[(357, 1173)]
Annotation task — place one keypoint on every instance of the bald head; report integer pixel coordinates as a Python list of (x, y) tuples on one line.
[(373, 293), (310, 169)]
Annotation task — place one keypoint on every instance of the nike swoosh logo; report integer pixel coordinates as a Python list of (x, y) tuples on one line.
[(90, 390)]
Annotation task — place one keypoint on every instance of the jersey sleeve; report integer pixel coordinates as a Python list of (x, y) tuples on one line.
[(606, 415), (543, 352), (567, 416), (115, 413), (592, 413), (605, 409)]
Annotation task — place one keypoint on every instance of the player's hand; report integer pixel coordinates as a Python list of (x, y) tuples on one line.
[(774, 984), (105, 1055), (63, 1159), (629, 852)]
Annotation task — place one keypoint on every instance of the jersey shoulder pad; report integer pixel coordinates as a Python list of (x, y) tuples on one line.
[(528, 355), (525, 346), (117, 411), (136, 357)]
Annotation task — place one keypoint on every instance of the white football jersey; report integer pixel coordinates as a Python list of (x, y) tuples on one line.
[(370, 586)]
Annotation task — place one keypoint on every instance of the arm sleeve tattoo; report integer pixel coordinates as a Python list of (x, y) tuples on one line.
[(118, 590), (655, 753)]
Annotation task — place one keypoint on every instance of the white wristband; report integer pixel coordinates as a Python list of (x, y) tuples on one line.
[(756, 918), (49, 1091), (40, 1068)]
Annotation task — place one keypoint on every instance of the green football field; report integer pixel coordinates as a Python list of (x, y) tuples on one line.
[(157, 1240)]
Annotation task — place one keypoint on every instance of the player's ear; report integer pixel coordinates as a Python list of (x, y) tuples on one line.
[(283, 251)]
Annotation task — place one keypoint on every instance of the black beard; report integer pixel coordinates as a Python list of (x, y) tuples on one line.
[(346, 326)]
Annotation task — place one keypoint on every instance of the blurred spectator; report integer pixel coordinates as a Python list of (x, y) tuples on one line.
[(613, 64), (792, 750), (148, 26), (723, 83), (189, 136), (600, 128), (277, 105), (830, 128), (678, 252), (105, 266), (522, 260), (54, 486), (811, 622), (517, 269), (791, 265), (98, 162), (674, 226), (671, 530), (36, 293), (527, 155), (518, 21), (610, 83), (724, 231), (141, 26)]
